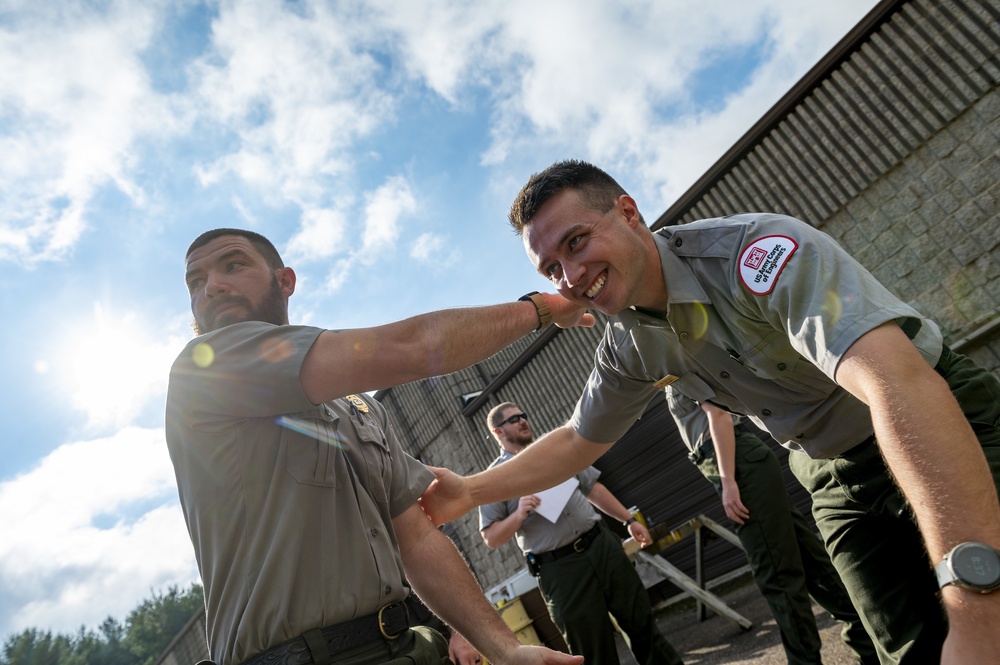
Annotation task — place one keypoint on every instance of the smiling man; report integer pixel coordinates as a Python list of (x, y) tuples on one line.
[(742, 313), (298, 497)]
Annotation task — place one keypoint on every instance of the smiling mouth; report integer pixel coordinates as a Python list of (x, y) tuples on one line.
[(597, 286)]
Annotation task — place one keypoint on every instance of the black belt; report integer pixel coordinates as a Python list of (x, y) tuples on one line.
[(317, 645), (698, 454), (578, 545)]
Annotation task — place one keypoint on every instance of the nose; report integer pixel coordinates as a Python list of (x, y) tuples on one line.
[(214, 286), (572, 273)]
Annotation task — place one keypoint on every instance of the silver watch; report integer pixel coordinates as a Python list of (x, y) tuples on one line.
[(973, 566)]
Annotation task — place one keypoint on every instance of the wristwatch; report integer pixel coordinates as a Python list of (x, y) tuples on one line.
[(973, 566), (631, 519), (544, 313)]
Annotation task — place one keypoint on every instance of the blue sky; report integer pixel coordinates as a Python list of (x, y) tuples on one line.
[(377, 143)]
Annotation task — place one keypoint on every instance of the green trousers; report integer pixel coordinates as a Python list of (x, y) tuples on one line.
[(786, 556), (870, 533), (582, 588)]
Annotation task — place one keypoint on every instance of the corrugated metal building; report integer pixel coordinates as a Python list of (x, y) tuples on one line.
[(889, 144)]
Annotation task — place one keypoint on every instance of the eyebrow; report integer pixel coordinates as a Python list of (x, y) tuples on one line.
[(222, 258)]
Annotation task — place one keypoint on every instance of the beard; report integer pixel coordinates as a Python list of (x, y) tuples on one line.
[(522, 439), (271, 309)]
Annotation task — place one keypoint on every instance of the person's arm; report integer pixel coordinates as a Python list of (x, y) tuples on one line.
[(939, 465), (550, 460), (345, 362), (608, 503), (429, 557), (720, 427), (500, 532)]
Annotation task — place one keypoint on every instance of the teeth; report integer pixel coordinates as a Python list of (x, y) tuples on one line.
[(598, 285)]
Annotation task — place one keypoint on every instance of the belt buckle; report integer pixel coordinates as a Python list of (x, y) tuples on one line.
[(578, 545), (381, 626)]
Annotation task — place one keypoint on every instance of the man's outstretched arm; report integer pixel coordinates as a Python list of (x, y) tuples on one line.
[(939, 465), (346, 362), (428, 559), (550, 460)]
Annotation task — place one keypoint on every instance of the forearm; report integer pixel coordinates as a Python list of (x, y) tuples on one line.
[(500, 532), (552, 459), (602, 499), (720, 425), (431, 558), (914, 413)]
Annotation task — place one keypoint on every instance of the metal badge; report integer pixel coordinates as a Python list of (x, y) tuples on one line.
[(358, 403)]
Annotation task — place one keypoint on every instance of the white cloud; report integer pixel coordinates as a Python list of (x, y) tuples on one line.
[(74, 97), (427, 247), (384, 208), (90, 532)]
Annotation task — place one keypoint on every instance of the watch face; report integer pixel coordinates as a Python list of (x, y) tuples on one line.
[(976, 565)]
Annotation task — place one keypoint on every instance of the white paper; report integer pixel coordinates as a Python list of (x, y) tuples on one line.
[(554, 499)]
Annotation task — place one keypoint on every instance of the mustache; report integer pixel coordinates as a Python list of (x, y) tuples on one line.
[(225, 300)]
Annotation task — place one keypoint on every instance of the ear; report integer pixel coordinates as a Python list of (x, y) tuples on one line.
[(286, 280), (630, 210)]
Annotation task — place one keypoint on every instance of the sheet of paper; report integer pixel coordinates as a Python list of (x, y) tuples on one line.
[(555, 499)]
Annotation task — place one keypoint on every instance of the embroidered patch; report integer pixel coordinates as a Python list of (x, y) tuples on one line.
[(762, 262)]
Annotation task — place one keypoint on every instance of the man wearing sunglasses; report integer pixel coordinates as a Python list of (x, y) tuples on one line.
[(582, 571)]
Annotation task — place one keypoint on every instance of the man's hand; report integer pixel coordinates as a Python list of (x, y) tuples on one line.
[(735, 510), (566, 314), (526, 505), (447, 498), (461, 652), (639, 531), (532, 655)]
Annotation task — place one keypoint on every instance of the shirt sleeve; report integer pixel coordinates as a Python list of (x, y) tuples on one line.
[(818, 294)]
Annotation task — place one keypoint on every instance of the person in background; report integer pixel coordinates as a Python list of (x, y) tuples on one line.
[(786, 557), (582, 570)]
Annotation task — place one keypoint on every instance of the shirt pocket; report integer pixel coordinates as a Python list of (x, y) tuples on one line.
[(376, 458), (314, 453), (773, 358)]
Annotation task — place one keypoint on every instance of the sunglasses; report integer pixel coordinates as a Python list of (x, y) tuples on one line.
[(514, 419)]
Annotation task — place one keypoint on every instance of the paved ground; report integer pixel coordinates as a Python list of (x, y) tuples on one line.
[(718, 640)]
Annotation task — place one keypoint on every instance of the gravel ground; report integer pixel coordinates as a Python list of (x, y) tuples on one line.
[(718, 640)]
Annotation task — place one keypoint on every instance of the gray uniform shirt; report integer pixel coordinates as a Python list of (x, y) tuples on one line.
[(536, 533), (288, 504), (761, 307)]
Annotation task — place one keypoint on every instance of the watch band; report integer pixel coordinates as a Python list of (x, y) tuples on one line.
[(630, 520), (544, 313)]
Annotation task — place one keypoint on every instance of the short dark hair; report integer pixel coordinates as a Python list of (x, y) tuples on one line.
[(494, 418), (598, 189), (260, 243)]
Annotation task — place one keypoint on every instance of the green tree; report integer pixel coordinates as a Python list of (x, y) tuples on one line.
[(153, 624), (146, 633)]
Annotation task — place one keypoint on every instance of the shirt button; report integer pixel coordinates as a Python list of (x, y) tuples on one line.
[(678, 242), (684, 335), (724, 375), (388, 589), (766, 412), (800, 436), (782, 367), (374, 533)]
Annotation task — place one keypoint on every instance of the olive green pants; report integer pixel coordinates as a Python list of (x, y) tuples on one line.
[(869, 530), (582, 588), (786, 556)]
